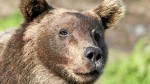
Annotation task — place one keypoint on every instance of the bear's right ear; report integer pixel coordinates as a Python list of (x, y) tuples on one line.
[(33, 8)]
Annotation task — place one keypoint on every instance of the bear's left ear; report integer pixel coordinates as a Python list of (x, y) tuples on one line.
[(33, 8), (110, 12)]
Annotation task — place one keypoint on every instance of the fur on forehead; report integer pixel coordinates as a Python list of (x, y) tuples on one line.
[(110, 12), (61, 10)]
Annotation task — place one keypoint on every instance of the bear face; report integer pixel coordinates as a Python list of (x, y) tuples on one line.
[(63, 41), (58, 46)]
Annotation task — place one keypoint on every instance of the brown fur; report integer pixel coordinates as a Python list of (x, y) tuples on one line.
[(37, 53), (111, 11)]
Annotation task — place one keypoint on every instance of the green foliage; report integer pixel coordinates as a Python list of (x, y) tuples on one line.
[(11, 21), (135, 70)]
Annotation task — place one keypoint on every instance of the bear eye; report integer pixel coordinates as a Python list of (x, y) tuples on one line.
[(97, 37), (63, 32)]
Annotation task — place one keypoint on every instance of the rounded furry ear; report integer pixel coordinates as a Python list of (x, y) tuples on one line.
[(33, 8), (110, 12)]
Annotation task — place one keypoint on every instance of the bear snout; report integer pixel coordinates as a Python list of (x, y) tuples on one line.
[(94, 61), (93, 54)]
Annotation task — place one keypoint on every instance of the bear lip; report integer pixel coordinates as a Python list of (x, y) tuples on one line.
[(88, 71), (91, 73)]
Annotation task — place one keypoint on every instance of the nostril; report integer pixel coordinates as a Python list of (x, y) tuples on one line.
[(98, 57), (93, 54), (90, 55)]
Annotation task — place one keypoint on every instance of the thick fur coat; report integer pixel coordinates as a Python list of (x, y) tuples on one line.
[(52, 45)]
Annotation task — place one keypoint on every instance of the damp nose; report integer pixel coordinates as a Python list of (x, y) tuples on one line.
[(93, 54)]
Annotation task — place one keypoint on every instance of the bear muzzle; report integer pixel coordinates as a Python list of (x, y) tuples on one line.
[(94, 64)]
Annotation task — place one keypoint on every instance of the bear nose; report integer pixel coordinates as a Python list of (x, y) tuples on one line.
[(93, 54)]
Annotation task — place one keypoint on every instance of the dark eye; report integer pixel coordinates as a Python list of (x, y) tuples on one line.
[(97, 37), (63, 32)]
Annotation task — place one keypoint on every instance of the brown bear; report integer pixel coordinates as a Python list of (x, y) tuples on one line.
[(58, 46)]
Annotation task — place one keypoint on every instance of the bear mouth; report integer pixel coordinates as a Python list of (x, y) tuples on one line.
[(91, 73)]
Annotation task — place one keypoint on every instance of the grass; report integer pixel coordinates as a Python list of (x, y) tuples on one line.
[(11, 21), (135, 70)]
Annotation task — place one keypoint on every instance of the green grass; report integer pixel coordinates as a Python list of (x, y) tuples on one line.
[(135, 70), (11, 21)]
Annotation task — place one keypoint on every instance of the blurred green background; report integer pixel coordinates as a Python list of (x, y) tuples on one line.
[(129, 42)]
